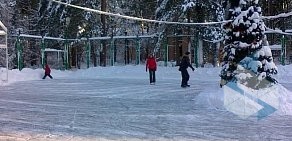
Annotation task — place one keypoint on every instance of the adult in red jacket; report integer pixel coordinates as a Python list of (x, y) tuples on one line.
[(151, 65), (47, 72)]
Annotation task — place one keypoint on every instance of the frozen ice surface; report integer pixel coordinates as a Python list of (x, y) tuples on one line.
[(117, 103)]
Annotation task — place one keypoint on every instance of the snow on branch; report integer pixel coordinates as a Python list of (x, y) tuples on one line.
[(53, 50), (282, 15), (39, 37), (214, 41), (2, 26), (269, 30), (135, 18)]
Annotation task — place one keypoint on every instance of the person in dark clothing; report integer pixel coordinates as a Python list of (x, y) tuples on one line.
[(184, 64), (152, 66), (47, 72)]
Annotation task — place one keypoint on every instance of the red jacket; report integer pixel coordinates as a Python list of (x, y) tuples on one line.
[(47, 70), (151, 64)]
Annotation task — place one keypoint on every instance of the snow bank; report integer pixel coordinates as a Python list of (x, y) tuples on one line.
[(285, 99), (284, 74), (24, 75), (214, 97), (129, 71)]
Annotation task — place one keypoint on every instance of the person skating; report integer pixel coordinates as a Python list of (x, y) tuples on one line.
[(47, 72), (151, 65), (184, 64)]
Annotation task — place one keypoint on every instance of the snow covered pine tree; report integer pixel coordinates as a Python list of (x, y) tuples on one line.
[(246, 60)]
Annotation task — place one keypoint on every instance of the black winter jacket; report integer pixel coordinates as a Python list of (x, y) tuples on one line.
[(185, 63)]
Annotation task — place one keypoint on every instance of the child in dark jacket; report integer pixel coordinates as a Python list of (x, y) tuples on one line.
[(185, 63), (47, 72)]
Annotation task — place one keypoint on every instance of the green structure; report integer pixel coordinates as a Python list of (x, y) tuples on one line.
[(43, 51), (19, 49), (165, 52), (88, 52), (4, 45), (283, 50), (138, 50), (112, 51), (66, 55), (196, 48)]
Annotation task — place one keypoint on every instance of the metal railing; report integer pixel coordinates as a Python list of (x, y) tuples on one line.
[(3, 34)]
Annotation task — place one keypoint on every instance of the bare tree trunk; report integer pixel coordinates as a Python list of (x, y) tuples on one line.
[(104, 33)]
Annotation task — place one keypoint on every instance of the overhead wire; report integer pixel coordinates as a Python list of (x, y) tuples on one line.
[(283, 15)]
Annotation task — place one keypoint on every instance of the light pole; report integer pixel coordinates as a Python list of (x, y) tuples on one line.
[(66, 53)]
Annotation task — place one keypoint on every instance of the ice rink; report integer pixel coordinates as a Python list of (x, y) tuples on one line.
[(126, 107)]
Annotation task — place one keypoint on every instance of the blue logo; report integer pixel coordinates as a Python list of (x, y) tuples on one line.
[(245, 102)]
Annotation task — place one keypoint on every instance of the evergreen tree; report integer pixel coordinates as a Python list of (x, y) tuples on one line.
[(275, 7), (24, 19), (192, 11), (246, 60)]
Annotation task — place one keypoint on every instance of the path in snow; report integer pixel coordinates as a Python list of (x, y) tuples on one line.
[(124, 108)]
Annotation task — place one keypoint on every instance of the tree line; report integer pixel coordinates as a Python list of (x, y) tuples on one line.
[(47, 18)]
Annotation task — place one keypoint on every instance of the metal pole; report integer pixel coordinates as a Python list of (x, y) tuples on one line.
[(88, 50), (67, 55), (76, 57), (283, 51), (112, 51), (43, 51), (138, 50), (126, 50), (58, 57), (18, 53), (7, 67), (166, 52), (177, 49), (115, 51), (196, 50), (18, 47), (217, 55), (100, 52)]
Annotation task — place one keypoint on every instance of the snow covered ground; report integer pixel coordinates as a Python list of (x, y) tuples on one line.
[(117, 103)]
